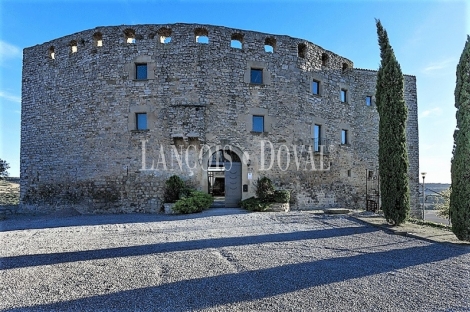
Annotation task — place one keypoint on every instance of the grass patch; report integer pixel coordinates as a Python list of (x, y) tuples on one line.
[(431, 224)]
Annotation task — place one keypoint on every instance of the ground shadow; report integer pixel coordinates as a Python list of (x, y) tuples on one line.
[(245, 286)]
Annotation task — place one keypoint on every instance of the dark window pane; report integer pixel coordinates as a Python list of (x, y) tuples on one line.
[(256, 76), (258, 123), (315, 87), (141, 71), (141, 121)]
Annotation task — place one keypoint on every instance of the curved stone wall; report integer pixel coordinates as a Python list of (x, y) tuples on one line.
[(81, 93)]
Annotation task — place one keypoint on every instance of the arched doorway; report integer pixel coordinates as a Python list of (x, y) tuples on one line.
[(224, 173)]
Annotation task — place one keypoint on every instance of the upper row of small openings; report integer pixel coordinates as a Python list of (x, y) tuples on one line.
[(202, 35), (130, 35), (73, 46), (98, 37), (324, 59), (269, 44), (165, 35), (52, 52), (237, 41), (345, 66), (302, 50)]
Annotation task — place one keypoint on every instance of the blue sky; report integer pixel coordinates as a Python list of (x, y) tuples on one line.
[(427, 37)]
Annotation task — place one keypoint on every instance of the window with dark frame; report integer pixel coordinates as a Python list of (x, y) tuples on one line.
[(316, 87), (256, 76), (368, 100), (141, 71), (258, 123), (344, 95), (344, 136), (141, 121), (316, 137)]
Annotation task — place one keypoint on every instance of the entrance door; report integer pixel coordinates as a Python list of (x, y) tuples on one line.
[(233, 184)]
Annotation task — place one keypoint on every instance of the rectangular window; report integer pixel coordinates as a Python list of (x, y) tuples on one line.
[(344, 94), (349, 173), (258, 123), (316, 137), (368, 100), (256, 76), (344, 136), (141, 71), (316, 87), (141, 121)]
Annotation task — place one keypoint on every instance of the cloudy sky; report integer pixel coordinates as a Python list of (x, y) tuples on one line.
[(427, 36)]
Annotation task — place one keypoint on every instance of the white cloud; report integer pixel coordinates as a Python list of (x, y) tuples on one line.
[(439, 66), (436, 111), (10, 97), (8, 51)]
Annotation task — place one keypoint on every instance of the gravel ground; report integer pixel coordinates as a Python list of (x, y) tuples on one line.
[(225, 260)]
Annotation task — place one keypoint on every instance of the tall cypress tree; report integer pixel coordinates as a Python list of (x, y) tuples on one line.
[(393, 157), (460, 170)]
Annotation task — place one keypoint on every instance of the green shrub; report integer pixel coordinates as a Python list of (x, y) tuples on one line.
[(254, 204), (281, 196), (264, 189), (175, 188), (196, 202)]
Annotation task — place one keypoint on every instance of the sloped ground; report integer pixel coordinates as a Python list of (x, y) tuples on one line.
[(225, 260)]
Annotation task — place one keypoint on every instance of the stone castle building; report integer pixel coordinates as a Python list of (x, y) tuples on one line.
[(109, 114)]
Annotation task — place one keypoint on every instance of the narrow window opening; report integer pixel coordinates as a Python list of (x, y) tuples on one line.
[(141, 71), (256, 76), (165, 35), (370, 174), (202, 35), (344, 95), (258, 123), (324, 59), (269, 44), (130, 35), (344, 137), (345, 66), (141, 121), (52, 53), (302, 50), (316, 87), (368, 100), (237, 41), (73, 45), (98, 37), (317, 137), (349, 173)]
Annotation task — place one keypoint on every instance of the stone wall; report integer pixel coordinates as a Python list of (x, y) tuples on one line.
[(80, 97)]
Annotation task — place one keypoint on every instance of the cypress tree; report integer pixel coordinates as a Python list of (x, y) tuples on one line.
[(393, 157), (460, 169)]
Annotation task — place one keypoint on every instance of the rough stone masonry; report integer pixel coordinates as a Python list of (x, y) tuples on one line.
[(108, 114)]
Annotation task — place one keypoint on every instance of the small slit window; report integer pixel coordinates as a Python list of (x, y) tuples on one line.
[(141, 121), (165, 35), (237, 41), (258, 123), (368, 100), (202, 35), (52, 53), (345, 67), (73, 46), (316, 87), (98, 37), (349, 173), (141, 71), (269, 44), (344, 137), (344, 95), (256, 76), (324, 59), (130, 35), (317, 133), (302, 50)]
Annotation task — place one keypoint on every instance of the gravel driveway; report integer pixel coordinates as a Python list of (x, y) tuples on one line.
[(225, 260)]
